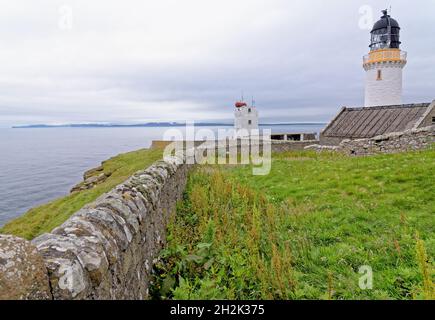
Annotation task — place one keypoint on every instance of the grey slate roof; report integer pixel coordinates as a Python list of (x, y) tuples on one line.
[(372, 121)]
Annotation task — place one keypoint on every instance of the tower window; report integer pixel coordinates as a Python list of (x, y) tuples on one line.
[(249, 110), (379, 77), (249, 121), (433, 120)]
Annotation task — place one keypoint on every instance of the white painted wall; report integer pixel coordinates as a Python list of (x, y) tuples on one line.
[(241, 121), (387, 91)]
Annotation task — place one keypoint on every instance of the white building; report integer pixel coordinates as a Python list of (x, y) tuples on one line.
[(245, 120), (384, 64)]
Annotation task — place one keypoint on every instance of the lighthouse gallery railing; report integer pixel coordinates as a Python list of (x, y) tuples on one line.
[(385, 55)]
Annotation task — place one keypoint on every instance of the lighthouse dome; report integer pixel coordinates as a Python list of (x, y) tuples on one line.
[(385, 33), (384, 22)]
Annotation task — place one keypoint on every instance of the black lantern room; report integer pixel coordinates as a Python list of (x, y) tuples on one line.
[(385, 33)]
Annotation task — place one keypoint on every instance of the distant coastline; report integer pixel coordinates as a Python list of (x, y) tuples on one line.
[(151, 124)]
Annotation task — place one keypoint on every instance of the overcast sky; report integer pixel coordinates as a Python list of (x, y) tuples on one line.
[(156, 60)]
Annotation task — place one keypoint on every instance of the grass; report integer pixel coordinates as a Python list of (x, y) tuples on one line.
[(48, 216), (305, 230)]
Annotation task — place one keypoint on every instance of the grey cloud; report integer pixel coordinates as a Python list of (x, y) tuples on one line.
[(176, 60)]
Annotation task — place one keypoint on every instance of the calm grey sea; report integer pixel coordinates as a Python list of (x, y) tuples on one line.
[(41, 164)]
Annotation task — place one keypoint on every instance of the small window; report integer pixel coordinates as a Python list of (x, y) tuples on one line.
[(433, 120), (379, 77), (249, 121), (249, 110)]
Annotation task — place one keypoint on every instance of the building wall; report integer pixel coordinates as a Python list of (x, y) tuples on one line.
[(294, 136), (429, 119), (387, 91), (242, 116)]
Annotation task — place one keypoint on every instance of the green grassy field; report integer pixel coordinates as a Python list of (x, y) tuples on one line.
[(304, 230), (48, 216)]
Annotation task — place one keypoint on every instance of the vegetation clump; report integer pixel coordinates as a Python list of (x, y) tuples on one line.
[(304, 230)]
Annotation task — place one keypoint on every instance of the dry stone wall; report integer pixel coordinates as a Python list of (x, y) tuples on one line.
[(23, 274), (284, 146), (104, 251), (276, 145), (414, 139)]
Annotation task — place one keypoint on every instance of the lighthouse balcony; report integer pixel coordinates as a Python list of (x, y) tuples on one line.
[(385, 55)]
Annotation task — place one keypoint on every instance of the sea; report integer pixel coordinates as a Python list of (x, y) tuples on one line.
[(38, 165)]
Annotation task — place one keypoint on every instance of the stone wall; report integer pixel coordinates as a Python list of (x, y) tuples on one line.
[(330, 141), (276, 145), (104, 251), (23, 274), (414, 139), (283, 146)]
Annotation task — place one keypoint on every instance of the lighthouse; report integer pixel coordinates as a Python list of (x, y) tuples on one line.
[(384, 64), (245, 119), (383, 112)]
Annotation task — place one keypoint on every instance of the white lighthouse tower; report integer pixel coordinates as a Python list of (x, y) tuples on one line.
[(384, 64), (245, 120)]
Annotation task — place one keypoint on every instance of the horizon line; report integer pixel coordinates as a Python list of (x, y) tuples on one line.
[(150, 124)]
